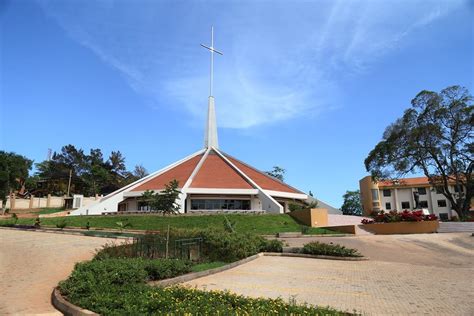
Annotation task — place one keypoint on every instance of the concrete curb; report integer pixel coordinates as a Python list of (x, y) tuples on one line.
[(304, 255), (60, 303), (64, 232), (200, 274)]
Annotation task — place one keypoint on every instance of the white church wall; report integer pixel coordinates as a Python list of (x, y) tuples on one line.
[(132, 205), (255, 204), (106, 205), (269, 204)]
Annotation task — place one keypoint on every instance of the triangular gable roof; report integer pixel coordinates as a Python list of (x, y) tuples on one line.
[(263, 180), (218, 174), (181, 172)]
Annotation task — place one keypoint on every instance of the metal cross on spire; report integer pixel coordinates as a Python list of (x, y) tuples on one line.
[(212, 50)]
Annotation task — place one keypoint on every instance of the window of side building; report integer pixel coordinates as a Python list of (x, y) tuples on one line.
[(422, 191), (405, 205), (442, 203), (456, 189), (387, 192), (388, 206), (375, 195), (423, 204)]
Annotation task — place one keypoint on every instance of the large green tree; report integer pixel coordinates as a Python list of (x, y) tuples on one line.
[(90, 173), (434, 136), (351, 205), (13, 174)]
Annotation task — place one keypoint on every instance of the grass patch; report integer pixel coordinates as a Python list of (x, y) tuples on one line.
[(50, 210), (320, 231), (207, 266), (258, 224)]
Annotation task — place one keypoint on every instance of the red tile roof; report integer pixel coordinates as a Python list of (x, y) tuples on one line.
[(180, 172), (263, 180), (218, 174), (215, 173), (405, 182)]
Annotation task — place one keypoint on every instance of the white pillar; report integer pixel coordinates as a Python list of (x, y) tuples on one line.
[(395, 196), (210, 138)]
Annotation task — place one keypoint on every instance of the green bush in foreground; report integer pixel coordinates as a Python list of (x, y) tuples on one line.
[(218, 245), (118, 287), (317, 248), (93, 276)]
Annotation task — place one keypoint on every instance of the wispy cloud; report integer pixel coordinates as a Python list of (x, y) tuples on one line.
[(281, 59)]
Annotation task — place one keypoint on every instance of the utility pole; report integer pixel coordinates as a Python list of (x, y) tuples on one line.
[(69, 184)]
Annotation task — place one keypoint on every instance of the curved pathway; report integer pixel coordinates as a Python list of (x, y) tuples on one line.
[(32, 264), (415, 274)]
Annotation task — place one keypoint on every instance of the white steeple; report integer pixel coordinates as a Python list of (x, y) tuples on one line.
[(210, 137)]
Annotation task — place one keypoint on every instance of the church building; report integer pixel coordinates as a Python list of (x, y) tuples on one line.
[(209, 180)]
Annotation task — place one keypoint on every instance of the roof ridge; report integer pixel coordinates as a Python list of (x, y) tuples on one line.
[(262, 172), (213, 152)]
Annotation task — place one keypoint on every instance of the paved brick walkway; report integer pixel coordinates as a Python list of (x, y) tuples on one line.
[(442, 285), (32, 264)]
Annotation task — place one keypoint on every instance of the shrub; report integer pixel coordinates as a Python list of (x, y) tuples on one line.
[(94, 275), (61, 224), (166, 268), (273, 245), (317, 248), (305, 229), (217, 245), (220, 245), (37, 222), (228, 247), (112, 250)]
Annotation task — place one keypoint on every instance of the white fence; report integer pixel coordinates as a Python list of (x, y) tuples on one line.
[(49, 201)]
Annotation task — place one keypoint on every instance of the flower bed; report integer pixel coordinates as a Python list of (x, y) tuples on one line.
[(405, 222), (395, 216)]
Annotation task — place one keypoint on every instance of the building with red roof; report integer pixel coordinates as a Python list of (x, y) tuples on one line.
[(209, 180)]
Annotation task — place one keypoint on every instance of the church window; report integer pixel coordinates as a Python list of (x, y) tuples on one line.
[(220, 204)]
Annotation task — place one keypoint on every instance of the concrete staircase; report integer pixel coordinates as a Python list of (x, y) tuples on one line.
[(456, 227)]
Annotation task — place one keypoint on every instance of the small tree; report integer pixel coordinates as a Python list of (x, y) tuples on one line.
[(277, 172), (434, 136), (169, 196), (164, 201), (351, 205)]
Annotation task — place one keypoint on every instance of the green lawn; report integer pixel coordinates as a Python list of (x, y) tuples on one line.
[(259, 224), (50, 210)]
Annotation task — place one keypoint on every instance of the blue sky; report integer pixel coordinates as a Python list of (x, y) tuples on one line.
[(309, 86)]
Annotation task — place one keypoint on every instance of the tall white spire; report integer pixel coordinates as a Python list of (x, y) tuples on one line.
[(210, 137)]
